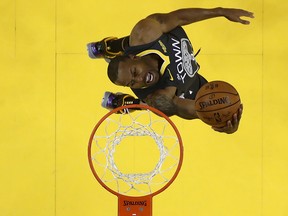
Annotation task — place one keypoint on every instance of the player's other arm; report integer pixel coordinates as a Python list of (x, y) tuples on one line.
[(153, 26), (187, 16)]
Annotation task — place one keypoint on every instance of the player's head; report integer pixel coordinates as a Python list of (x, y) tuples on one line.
[(133, 71)]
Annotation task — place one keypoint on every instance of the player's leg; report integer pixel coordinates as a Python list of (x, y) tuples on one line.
[(111, 101)]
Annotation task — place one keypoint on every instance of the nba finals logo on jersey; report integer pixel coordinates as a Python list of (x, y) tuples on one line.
[(184, 58)]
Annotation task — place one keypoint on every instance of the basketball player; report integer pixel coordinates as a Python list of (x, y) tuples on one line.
[(157, 62)]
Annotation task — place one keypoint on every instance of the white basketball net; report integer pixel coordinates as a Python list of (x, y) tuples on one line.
[(118, 127)]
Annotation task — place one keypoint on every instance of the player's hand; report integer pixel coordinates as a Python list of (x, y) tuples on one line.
[(231, 125), (235, 15)]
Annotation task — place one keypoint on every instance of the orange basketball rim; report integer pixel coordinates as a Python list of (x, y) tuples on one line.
[(135, 156)]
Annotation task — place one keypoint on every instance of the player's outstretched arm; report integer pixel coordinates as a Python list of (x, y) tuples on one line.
[(153, 26), (187, 16)]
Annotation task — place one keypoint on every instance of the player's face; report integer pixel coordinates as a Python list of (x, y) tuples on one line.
[(136, 72)]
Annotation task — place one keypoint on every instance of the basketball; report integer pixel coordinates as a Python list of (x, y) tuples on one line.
[(216, 102)]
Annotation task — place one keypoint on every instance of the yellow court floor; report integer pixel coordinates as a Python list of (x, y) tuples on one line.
[(50, 95)]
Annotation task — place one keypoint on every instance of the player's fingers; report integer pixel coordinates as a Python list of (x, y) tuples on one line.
[(218, 129), (240, 111), (245, 22), (230, 124), (235, 119), (241, 107), (247, 14)]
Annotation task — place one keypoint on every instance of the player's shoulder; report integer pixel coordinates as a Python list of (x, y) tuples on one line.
[(145, 31)]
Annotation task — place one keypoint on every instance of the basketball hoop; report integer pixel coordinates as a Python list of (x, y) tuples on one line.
[(113, 158)]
